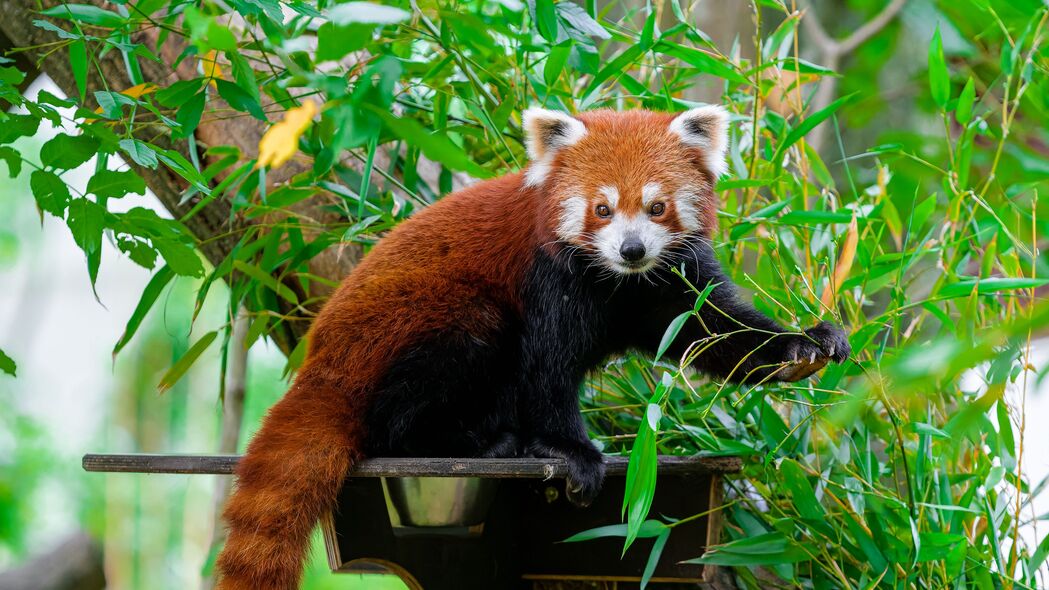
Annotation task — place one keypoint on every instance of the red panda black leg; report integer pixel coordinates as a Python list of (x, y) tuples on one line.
[(741, 344), (565, 336)]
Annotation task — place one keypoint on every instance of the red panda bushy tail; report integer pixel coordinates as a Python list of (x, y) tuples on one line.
[(290, 476)]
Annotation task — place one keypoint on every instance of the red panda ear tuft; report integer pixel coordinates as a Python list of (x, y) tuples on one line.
[(545, 133), (705, 127)]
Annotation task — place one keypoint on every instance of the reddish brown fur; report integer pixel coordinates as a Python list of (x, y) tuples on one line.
[(472, 246)]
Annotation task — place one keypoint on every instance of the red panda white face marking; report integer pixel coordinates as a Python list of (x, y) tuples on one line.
[(573, 215), (686, 201), (649, 192), (626, 188)]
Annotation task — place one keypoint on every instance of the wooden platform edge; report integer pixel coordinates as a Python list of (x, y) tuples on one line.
[(405, 467)]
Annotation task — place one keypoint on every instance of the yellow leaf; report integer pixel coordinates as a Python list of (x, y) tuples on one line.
[(209, 64), (841, 270), (281, 141), (139, 90)]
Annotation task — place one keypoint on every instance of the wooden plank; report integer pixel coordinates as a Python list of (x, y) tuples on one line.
[(148, 463), (404, 467)]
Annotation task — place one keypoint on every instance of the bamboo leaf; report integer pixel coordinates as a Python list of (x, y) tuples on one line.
[(183, 364), (767, 549), (267, 280), (816, 217), (78, 63), (7, 364), (366, 13), (801, 493), (87, 14), (963, 112), (141, 153), (989, 286), (149, 296), (653, 557), (648, 529), (808, 124), (671, 333), (939, 78), (435, 146)]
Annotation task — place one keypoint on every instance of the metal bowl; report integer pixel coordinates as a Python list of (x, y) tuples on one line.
[(429, 502)]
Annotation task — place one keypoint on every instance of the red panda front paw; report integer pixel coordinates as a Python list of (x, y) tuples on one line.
[(586, 467), (805, 355), (585, 477)]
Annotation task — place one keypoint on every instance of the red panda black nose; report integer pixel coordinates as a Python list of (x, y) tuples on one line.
[(632, 250)]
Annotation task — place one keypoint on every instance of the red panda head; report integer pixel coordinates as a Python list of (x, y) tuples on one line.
[(628, 187)]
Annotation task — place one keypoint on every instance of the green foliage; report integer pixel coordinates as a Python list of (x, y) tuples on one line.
[(7, 364), (897, 469)]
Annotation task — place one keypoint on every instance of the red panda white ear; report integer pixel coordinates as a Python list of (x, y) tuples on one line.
[(545, 133), (705, 127)]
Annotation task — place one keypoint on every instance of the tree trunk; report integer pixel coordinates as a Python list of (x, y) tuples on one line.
[(216, 218), (75, 564), (232, 417)]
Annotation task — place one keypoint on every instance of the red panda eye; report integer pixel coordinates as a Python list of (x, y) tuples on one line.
[(603, 211), (657, 209)]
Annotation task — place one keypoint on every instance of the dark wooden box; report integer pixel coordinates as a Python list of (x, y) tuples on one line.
[(519, 543)]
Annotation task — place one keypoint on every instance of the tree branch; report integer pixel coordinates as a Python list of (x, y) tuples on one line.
[(872, 27), (833, 50)]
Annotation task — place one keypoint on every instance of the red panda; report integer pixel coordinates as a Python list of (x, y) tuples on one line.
[(469, 329)]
